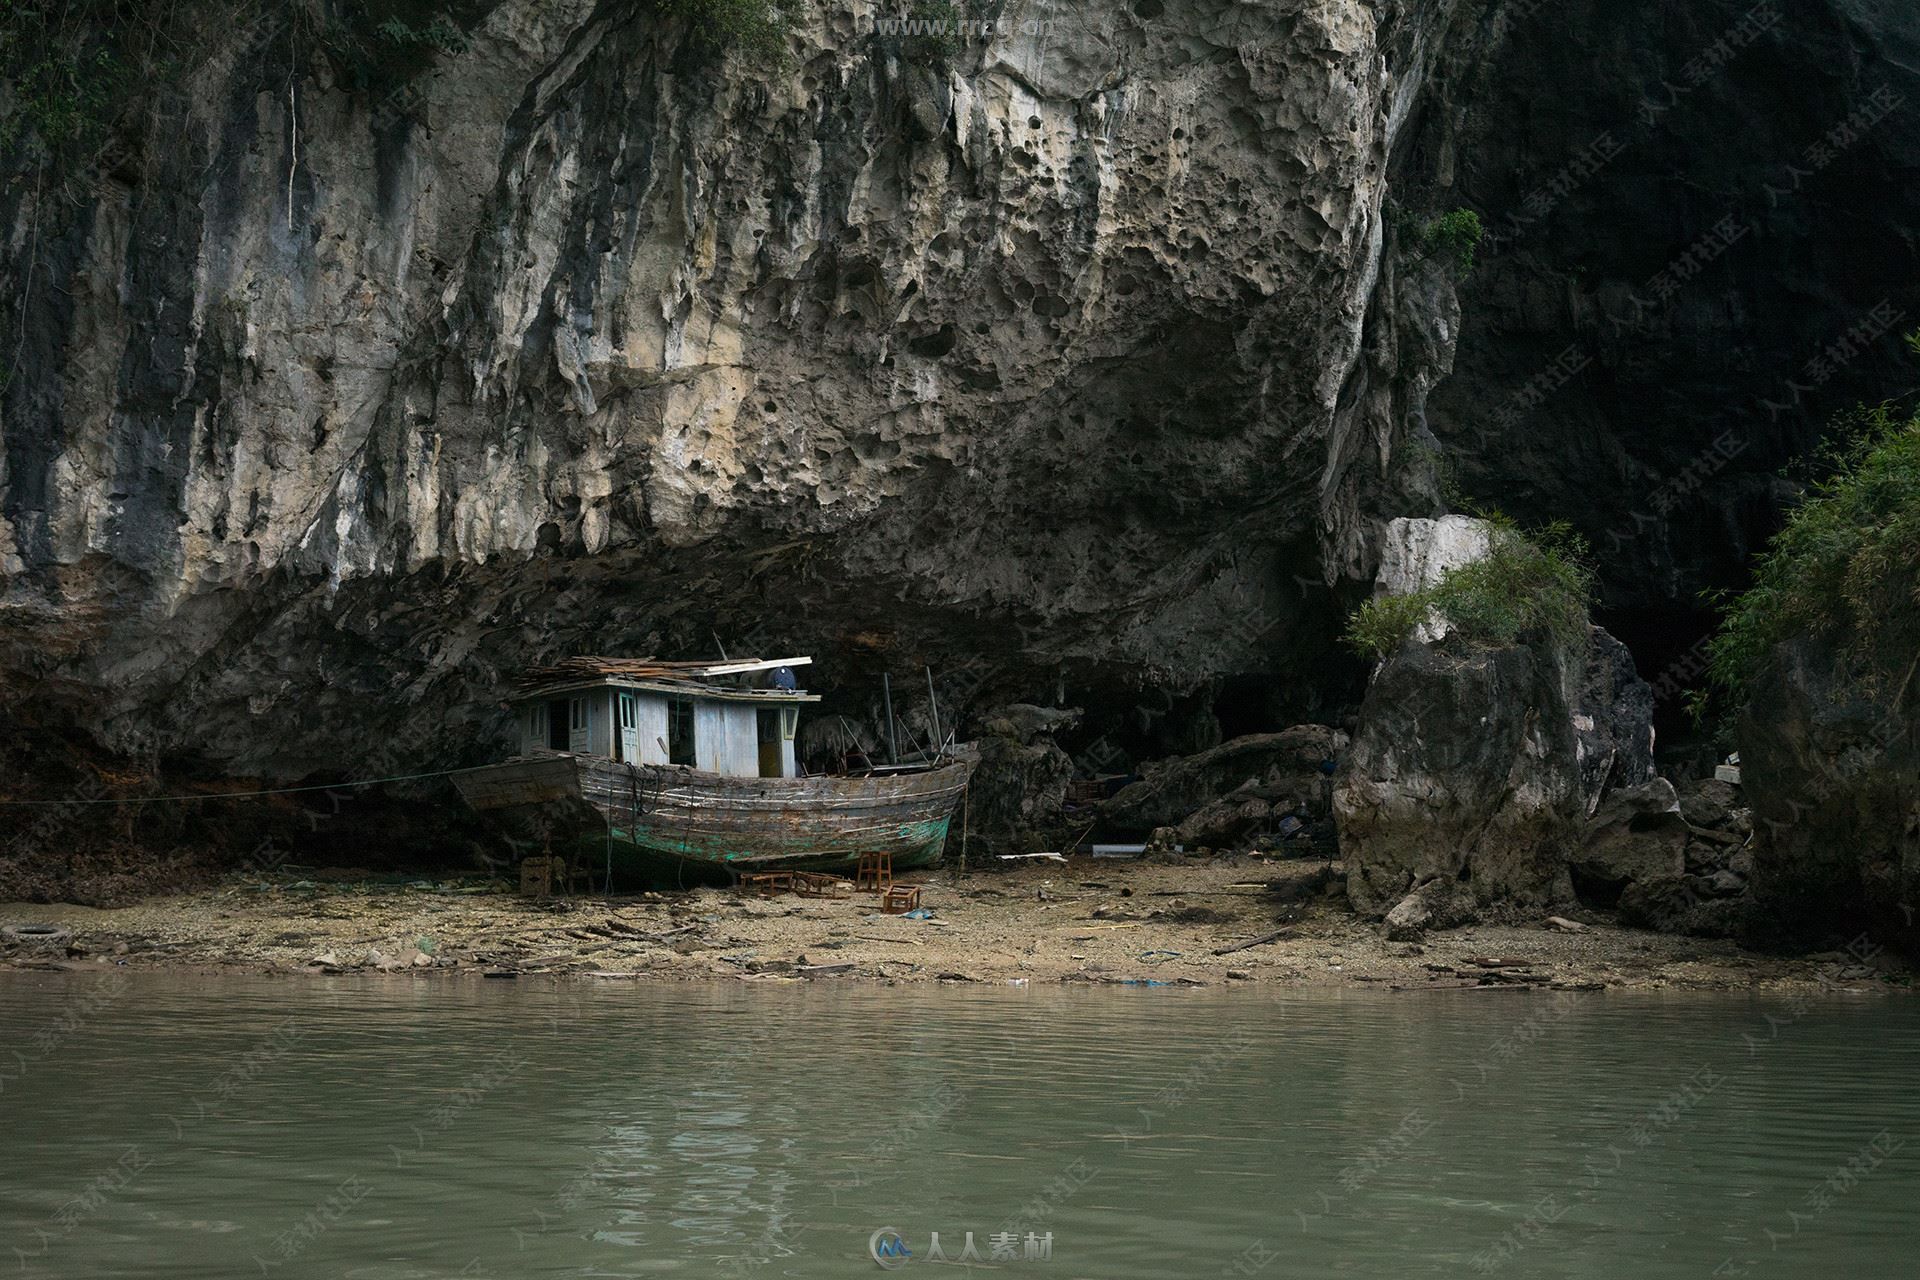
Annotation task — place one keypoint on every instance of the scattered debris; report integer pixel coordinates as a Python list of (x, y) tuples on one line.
[(45, 937), (1260, 941)]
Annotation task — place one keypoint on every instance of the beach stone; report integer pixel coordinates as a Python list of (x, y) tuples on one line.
[(1438, 904), (1725, 884)]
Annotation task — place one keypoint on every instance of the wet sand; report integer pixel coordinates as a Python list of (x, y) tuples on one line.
[(1090, 921)]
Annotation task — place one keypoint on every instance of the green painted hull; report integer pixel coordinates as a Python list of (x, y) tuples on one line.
[(653, 861), (652, 824)]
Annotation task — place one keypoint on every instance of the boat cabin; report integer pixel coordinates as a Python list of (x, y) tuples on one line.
[(736, 719)]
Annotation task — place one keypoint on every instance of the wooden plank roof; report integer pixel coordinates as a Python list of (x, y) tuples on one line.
[(575, 670)]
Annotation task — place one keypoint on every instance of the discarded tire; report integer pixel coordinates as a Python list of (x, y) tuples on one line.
[(36, 935)]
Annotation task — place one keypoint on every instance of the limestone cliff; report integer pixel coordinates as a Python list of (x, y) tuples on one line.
[(1080, 351), (1085, 361)]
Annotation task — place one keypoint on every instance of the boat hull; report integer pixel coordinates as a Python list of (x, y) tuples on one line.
[(656, 821)]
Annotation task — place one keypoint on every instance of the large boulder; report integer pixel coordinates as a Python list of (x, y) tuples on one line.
[(1019, 786), (1636, 836), (1831, 768), (1462, 769), (1684, 904), (1226, 821), (1711, 804), (1284, 770)]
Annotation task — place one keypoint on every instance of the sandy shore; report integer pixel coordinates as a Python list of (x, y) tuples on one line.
[(1094, 921)]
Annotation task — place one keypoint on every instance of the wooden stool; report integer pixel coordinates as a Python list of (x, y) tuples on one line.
[(765, 883), (875, 873), (900, 899), (813, 884)]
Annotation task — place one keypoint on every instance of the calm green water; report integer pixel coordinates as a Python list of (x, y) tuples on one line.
[(207, 1128)]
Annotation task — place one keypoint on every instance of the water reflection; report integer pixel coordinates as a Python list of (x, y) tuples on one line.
[(412, 1130)]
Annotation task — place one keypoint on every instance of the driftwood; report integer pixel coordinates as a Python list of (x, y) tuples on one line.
[(1260, 941)]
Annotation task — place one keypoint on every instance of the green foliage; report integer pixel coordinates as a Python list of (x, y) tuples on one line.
[(69, 67), (1523, 584), (754, 28), (73, 67), (438, 34), (1842, 570), (933, 32), (377, 45), (1381, 625), (1455, 236)]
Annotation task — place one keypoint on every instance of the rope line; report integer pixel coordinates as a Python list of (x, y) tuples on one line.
[(225, 795)]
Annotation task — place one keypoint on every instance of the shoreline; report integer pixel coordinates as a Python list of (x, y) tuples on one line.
[(1184, 923)]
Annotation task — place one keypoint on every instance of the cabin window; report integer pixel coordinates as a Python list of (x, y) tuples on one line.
[(537, 722), (577, 710), (629, 712), (789, 718), (680, 731)]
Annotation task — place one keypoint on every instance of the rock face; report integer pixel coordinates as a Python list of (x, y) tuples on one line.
[(1612, 720), (1019, 788), (1230, 790), (1833, 775), (1671, 860), (336, 408), (1655, 419), (1462, 770)]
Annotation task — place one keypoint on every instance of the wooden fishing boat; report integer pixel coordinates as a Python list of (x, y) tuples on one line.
[(660, 769)]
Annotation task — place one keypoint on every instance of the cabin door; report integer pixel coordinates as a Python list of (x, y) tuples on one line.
[(627, 746), (576, 725)]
